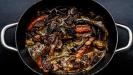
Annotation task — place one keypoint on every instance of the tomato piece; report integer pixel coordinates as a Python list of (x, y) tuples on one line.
[(39, 62), (82, 28), (81, 52), (44, 50), (36, 20)]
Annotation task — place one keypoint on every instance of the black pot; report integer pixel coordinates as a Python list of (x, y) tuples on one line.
[(31, 12)]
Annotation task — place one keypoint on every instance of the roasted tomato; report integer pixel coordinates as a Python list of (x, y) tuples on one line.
[(36, 20), (83, 28)]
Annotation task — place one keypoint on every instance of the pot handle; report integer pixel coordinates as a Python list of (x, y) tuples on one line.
[(129, 35), (3, 36)]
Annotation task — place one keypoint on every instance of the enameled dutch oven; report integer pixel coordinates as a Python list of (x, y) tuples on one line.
[(31, 12)]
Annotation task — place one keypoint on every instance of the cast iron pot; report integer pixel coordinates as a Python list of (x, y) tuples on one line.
[(31, 12)]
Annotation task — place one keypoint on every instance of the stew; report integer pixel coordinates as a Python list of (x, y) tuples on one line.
[(66, 39)]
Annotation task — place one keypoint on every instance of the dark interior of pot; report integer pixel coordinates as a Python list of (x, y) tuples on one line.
[(87, 5)]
